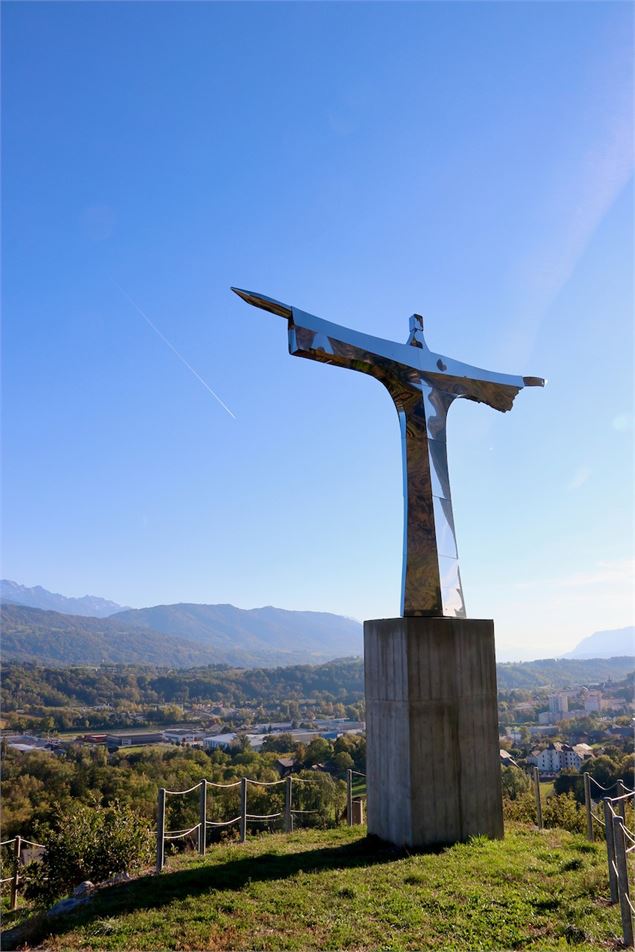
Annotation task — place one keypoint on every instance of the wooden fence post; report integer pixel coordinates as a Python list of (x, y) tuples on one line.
[(243, 809), (161, 830), (622, 881), (202, 818), (17, 848), (610, 848), (349, 796), (537, 796), (588, 806), (288, 816)]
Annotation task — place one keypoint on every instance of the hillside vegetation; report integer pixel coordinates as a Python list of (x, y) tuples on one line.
[(48, 637), (335, 889), (342, 680), (179, 636)]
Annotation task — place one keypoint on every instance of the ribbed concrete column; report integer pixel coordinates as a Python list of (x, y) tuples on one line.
[(433, 763)]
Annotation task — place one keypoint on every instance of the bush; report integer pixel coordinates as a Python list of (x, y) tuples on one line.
[(523, 808), (85, 842), (563, 811)]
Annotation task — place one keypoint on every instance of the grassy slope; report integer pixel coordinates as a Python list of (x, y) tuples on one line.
[(335, 890)]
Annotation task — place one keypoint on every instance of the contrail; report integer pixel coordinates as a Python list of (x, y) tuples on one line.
[(174, 350)]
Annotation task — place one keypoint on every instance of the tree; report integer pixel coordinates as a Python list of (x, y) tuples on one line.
[(515, 782), (341, 763), (318, 752)]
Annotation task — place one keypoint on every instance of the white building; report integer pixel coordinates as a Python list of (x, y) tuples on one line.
[(558, 705), (557, 757), (178, 736)]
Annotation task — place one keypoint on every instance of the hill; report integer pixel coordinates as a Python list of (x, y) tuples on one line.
[(38, 597), (188, 636), (266, 635), (336, 889), (605, 644), (562, 672), (31, 634)]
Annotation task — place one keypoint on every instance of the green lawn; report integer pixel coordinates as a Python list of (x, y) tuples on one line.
[(335, 889)]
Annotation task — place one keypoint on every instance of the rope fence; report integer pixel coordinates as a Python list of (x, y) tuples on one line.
[(18, 843), (354, 810), (617, 835)]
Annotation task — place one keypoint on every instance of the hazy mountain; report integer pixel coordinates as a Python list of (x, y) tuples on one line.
[(260, 632), (605, 644), (38, 597), (190, 636)]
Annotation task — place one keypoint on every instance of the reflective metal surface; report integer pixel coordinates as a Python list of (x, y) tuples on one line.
[(422, 385)]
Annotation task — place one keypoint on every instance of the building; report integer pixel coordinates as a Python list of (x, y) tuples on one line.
[(558, 705), (557, 757), (115, 741), (178, 736)]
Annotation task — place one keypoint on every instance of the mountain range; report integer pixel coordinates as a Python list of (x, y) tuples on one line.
[(38, 597), (605, 644), (179, 636), (42, 626)]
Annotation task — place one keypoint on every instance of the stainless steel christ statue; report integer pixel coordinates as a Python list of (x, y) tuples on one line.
[(422, 385)]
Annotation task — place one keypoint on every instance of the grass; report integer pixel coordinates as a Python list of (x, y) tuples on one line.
[(336, 889)]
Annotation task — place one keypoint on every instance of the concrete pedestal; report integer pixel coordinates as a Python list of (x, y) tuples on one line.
[(433, 763)]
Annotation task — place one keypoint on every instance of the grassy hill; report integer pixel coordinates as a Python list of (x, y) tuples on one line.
[(334, 889)]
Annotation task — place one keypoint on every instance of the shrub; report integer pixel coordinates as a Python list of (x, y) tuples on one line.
[(523, 808), (85, 842), (563, 811)]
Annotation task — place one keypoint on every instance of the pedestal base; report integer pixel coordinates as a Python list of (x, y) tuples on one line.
[(433, 762)]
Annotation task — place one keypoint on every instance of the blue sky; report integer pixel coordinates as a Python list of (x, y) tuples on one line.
[(472, 162)]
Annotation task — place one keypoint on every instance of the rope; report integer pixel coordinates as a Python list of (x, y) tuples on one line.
[(37, 845), (6, 842), (264, 783), (628, 833), (266, 816), (630, 849), (593, 780), (224, 786), (305, 811), (624, 796), (628, 900), (224, 823), (359, 773), (302, 780), (178, 834), (10, 879), (181, 793)]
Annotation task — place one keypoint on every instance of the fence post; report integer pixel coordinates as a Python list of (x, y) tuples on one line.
[(161, 830), (537, 796), (243, 809), (202, 817), (621, 806), (588, 806), (610, 848), (17, 847), (622, 880), (288, 816), (349, 796)]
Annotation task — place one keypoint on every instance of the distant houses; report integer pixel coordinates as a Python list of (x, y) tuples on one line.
[(557, 757)]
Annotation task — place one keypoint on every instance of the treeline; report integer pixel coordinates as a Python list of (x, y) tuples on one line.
[(39, 785), (562, 672), (29, 685)]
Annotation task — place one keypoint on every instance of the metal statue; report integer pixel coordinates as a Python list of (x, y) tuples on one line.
[(422, 385)]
